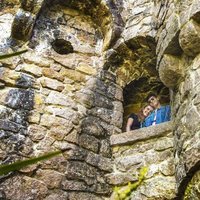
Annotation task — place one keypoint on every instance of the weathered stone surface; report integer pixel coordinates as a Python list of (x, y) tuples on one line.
[(57, 98), (99, 161), (51, 84), (20, 99), (83, 196), (58, 196), (31, 188), (158, 188), (36, 132), (89, 142), (65, 113), (86, 69), (120, 178), (50, 73), (74, 185), (31, 69), (91, 126), (105, 149), (170, 70), (22, 25), (51, 178), (137, 135), (190, 38)]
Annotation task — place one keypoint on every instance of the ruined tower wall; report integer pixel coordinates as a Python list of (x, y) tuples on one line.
[(56, 100), (69, 95), (149, 148), (178, 64)]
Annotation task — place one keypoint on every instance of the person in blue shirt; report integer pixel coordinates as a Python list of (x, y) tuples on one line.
[(160, 114)]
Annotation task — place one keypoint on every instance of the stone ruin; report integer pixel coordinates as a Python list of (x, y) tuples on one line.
[(88, 65)]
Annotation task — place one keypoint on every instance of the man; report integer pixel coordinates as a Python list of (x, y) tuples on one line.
[(160, 113)]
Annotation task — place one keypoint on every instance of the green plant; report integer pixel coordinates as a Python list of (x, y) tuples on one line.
[(123, 193), (8, 55), (5, 169)]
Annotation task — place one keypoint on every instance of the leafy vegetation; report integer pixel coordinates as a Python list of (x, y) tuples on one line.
[(5, 169), (4, 56), (123, 193)]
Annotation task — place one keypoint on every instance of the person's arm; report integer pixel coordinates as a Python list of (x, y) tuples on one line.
[(129, 124)]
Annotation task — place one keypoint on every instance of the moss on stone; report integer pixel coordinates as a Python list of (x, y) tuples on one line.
[(123, 193)]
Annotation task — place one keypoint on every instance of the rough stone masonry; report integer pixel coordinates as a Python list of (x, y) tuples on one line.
[(67, 91)]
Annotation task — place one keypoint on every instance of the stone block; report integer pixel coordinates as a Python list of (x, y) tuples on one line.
[(76, 170), (91, 126), (50, 73), (141, 134), (58, 196), (89, 142), (99, 161), (51, 178), (73, 185), (59, 132), (36, 132), (20, 99), (72, 74), (170, 70), (65, 113), (85, 97), (51, 84), (9, 126), (195, 11), (57, 98), (193, 120), (22, 25), (129, 162), (24, 187), (167, 167), (83, 196), (159, 187), (102, 113), (119, 178), (189, 38), (30, 69)]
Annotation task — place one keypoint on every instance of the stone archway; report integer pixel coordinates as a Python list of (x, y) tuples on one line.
[(104, 13)]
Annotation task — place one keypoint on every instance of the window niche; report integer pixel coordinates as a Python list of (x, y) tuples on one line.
[(62, 46), (135, 93)]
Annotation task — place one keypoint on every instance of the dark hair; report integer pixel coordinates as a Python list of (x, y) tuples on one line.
[(151, 94)]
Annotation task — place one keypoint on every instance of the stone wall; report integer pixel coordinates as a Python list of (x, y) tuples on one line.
[(67, 92), (152, 148), (57, 96), (178, 64)]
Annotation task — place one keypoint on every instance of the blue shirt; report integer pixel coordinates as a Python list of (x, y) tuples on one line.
[(163, 115)]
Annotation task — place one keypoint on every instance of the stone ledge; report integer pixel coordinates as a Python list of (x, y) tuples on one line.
[(141, 134)]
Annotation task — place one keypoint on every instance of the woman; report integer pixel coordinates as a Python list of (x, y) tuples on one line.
[(135, 120)]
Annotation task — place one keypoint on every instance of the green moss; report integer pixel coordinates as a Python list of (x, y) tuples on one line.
[(123, 193)]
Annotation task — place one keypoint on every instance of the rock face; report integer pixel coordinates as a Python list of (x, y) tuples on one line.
[(89, 64)]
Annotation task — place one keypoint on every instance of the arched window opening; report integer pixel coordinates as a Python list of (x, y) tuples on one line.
[(135, 93)]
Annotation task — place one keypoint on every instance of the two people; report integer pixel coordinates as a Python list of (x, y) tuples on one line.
[(152, 114)]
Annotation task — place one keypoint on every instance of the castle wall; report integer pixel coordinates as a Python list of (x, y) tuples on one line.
[(69, 95), (150, 148), (53, 101), (178, 64)]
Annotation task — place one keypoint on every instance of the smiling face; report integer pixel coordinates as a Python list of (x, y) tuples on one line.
[(147, 110), (154, 102)]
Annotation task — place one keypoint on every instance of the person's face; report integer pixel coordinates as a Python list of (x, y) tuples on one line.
[(147, 110), (153, 101)]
